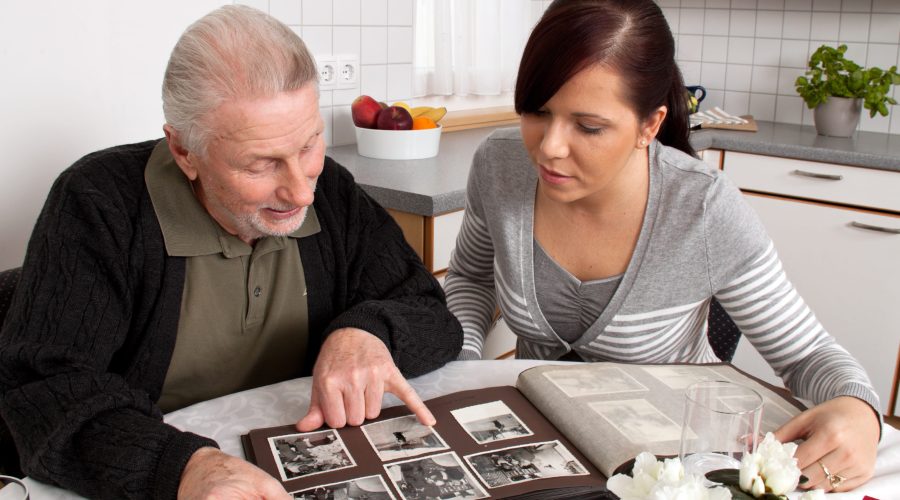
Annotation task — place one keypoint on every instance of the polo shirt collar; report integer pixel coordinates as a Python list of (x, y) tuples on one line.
[(188, 229)]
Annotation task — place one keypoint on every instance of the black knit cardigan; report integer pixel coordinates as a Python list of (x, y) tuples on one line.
[(90, 333)]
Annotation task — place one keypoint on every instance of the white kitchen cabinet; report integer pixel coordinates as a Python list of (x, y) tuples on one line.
[(861, 187), (433, 238), (846, 270), (712, 157)]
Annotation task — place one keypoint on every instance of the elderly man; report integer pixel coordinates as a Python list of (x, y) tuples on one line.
[(230, 255)]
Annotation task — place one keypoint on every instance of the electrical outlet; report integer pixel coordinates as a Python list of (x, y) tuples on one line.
[(328, 72), (347, 74)]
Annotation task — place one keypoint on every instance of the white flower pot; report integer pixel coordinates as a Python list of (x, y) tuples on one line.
[(838, 116)]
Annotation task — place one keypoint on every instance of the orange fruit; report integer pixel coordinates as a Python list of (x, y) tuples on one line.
[(423, 122)]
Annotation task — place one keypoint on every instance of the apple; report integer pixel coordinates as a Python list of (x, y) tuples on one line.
[(364, 111), (394, 118)]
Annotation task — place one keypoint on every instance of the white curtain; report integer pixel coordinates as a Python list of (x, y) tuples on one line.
[(467, 47)]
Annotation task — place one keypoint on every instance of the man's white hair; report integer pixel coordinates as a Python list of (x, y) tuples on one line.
[(233, 52)]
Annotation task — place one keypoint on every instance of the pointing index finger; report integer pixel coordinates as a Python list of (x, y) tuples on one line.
[(399, 387)]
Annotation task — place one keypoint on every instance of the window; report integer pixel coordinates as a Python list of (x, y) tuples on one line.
[(469, 47)]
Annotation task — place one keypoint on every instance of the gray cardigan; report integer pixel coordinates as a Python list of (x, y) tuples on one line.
[(699, 239)]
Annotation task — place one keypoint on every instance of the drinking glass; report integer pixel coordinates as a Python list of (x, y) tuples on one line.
[(721, 424)]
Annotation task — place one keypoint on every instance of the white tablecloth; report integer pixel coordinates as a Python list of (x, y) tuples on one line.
[(225, 419)]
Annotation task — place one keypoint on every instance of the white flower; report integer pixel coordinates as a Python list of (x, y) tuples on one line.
[(771, 469), (813, 495), (671, 471), (757, 488), (655, 480), (749, 471)]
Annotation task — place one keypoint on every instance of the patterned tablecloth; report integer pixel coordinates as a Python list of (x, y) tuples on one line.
[(225, 419)]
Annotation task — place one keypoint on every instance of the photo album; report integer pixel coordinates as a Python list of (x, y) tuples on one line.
[(558, 434)]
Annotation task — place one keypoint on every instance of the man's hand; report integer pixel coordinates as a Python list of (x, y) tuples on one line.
[(353, 372), (842, 434), (212, 474)]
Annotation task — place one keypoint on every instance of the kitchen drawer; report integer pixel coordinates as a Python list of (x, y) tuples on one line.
[(856, 186)]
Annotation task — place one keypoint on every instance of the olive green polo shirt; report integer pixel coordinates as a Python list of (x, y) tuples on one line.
[(243, 321)]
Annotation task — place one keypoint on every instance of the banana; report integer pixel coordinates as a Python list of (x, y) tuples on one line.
[(401, 104), (434, 113), (418, 110)]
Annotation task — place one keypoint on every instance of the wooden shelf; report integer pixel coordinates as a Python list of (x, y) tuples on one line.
[(482, 117)]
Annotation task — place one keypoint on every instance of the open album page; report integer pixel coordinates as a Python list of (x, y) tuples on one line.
[(614, 411), (488, 443)]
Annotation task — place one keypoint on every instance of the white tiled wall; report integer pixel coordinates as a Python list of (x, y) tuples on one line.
[(380, 32), (747, 53)]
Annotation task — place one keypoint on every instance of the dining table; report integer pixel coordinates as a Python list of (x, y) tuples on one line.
[(226, 418)]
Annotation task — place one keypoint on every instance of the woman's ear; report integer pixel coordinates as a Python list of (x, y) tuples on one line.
[(185, 160), (651, 125)]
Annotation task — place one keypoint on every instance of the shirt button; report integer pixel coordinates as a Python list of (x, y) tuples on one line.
[(257, 291)]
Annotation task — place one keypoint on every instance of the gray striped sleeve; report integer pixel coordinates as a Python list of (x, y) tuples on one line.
[(751, 285), (470, 277)]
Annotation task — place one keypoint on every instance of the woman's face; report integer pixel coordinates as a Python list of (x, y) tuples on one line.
[(586, 140)]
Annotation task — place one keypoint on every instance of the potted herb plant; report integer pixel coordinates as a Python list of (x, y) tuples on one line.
[(837, 88)]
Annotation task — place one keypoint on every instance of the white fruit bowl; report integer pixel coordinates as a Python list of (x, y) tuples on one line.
[(398, 144)]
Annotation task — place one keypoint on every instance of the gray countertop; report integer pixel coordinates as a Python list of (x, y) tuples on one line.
[(434, 186)]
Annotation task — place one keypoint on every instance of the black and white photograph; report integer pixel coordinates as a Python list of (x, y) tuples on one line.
[(309, 453), (437, 477), (773, 414), (489, 422), (525, 463), (606, 380), (402, 437), (680, 377), (361, 488), (638, 420)]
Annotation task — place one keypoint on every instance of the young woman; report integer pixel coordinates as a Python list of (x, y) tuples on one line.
[(601, 237)]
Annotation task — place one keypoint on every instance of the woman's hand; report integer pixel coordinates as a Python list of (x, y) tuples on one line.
[(841, 435)]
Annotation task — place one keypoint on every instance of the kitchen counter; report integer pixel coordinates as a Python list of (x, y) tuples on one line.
[(865, 149), (435, 186)]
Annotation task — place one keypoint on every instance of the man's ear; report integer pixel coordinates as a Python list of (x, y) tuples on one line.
[(186, 161), (651, 125)]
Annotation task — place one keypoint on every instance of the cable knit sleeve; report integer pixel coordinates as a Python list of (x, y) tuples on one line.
[(381, 285), (76, 420)]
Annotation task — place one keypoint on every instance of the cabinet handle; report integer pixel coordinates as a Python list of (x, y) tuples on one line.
[(830, 177), (880, 229)]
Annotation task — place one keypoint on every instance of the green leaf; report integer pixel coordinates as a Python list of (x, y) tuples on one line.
[(738, 494), (724, 476), (830, 73)]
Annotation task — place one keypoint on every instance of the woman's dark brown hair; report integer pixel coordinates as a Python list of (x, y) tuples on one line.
[(630, 37)]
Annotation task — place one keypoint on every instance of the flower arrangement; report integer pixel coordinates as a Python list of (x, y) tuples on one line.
[(770, 473), (652, 479)]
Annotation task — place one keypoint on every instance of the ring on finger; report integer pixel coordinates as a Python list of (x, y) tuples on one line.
[(834, 480)]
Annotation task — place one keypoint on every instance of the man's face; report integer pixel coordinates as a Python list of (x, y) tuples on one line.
[(262, 163)]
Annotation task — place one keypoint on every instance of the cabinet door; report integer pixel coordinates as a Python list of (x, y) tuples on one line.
[(445, 229), (712, 157), (848, 275)]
